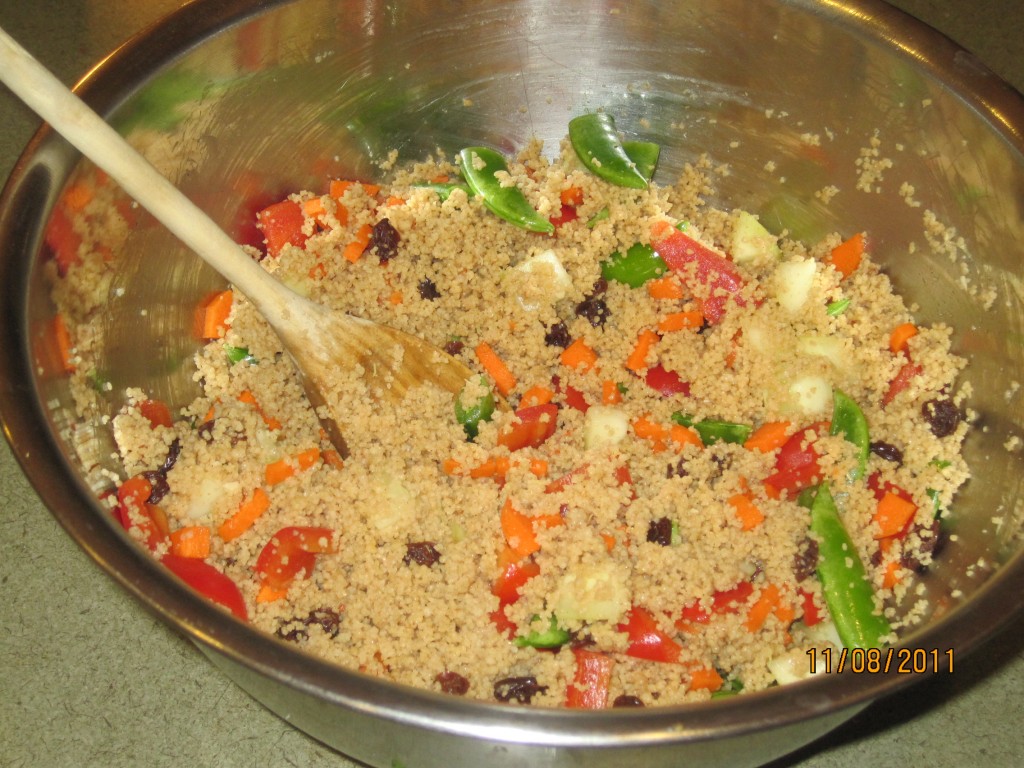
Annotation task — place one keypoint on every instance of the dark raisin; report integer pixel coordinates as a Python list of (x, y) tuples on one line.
[(887, 451), (158, 484), (421, 552), (453, 347), (453, 683), (594, 309), (625, 700), (600, 286), (205, 430), (678, 469), (558, 335), (428, 290), (942, 416), (660, 532), (385, 239), (297, 628), (805, 562), (932, 538), (172, 456), (522, 689)]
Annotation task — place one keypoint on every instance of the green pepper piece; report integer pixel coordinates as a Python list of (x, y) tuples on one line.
[(639, 264), (712, 431), (844, 581), (508, 203), (849, 421), (837, 308), (238, 354), (644, 155), (598, 146), (444, 190), (552, 637), (470, 414)]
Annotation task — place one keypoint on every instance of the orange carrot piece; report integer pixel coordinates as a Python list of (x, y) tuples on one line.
[(156, 413), (579, 355), (497, 466), (610, 393), (333, 459), (504, 379), (394, 200), (355, 249), (248, 512), (899, 337), (395, 298), (191, 541), (538, 467), (768, 437), (339, 187), (762, 608), (77, 196), (678, 321), (313, 208), (646, 429), (665, 288), (214, 313), (892, 515), (536, 396), (749, 514), (705, 679), (518, 531), (846, 256), (249, 398), (682, 436), (269, 594), (62, 338), (572, 196), (279, 471), (451, 467), (785, 612), (645, 341), (893, 575)]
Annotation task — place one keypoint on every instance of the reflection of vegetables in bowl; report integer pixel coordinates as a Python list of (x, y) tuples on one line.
[(730, 120)]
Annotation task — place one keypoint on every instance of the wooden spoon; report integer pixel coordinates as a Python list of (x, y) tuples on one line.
[(321, 341)]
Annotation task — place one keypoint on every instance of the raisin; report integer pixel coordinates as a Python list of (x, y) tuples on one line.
[(453, 683), (942, 416), (887, 451), (385, 239), (594, 309), (172, 456), (453, 347), (428, 289), (558, 335), (522, 689), (660, 532), (205, 430), (625, 700), (932, 538), (805, 562), (327, 619), (421, 552), (677, 470), (158, 485)]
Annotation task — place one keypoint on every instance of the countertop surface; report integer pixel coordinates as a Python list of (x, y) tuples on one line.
[(89, 678)]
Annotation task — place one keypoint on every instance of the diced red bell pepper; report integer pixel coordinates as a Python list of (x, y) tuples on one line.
[(512, 579), (590, 684), (722, 602), (530, 427), (571, 396), (646, 638), (689, 257), (879, 489), (134, 513), (565, 215), (156, 412), (209, 582), (665, 382), (292, 551), (796, 464), (63, 241), (812, 615), (281, 224), (901, 381)]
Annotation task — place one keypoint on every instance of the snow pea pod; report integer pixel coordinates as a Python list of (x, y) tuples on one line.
[(644, 155), (844, 581), (848, 420), (444, 189), (469, 413), (712, 431), (597, 144), (480, 166), (635, 267)]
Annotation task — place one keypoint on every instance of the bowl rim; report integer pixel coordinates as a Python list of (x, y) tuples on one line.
[(79, 513)]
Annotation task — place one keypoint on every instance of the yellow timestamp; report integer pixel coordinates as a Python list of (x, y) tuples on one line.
[(901, 661)]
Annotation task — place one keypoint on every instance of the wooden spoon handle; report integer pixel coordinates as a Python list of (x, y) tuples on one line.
[(95, 139)]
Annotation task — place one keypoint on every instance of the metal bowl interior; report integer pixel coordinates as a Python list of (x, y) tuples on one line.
[(237, 100)]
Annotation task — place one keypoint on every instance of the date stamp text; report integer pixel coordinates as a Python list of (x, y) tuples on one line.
[(901, 661)]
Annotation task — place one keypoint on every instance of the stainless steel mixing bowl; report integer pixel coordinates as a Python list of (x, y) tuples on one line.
[(272, 97)]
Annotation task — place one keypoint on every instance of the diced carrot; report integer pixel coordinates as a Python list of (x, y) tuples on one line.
[(785, 612), (213, 313), (650, 430), (536, 396), (678, 321), (191, 541), (682, 436), (667, 287), (269, 594), (893, 574), (282, 224), (442, 178), (749, 514), (518, 531), (610, 393), (394, 200), (899, 337), (333, 459), (249, 398), (609, 541), (572, 196), (395, 298), (645, 341), (538, 467), (156, 413), (355, 249), (242, 519), (451, 467), (762, 608), (705, 679), (892, 515), (497, 466), (62, 338), (768, 437), (318, 271), (578, 355), (313, 208), (504, 379), (279, 471), (77, 196), (846, 256), (338, 188)]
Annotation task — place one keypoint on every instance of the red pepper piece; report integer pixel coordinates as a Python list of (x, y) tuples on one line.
[(568, 213), (901, 381), (282, 224), (646, 638), (590, 684), (665, 382), (812, 615), (796, 464), (292, 551), (531, 427), (135, 513), (209, 582), (689, 257)]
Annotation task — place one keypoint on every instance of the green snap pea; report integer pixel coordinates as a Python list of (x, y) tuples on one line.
[(597, 144), (848, 420), (601, 215), (635, 267), (444, 189), (844, 581), (729, 688), (836, 308), (551, 637), (470, 413), (712, 431), (238, 354), (644, 155), (508, 203)]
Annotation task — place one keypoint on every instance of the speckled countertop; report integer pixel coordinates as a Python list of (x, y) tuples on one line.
[(88, 678)]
